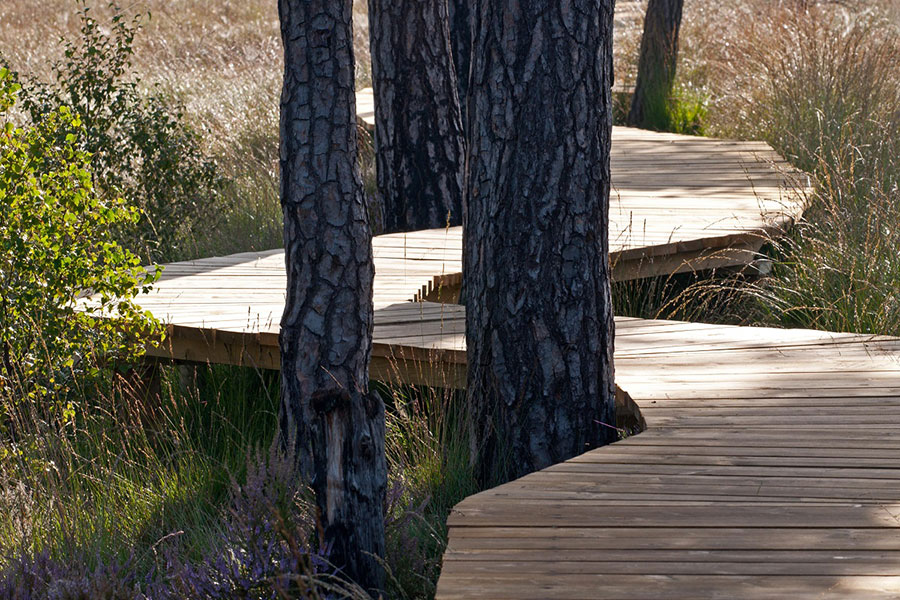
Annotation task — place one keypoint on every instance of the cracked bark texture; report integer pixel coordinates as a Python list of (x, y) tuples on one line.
[(461, 45), (419, 141), (656, 66), (327, 413), (539, 319)]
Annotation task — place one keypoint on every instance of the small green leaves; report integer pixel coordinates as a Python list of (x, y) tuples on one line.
[(56, 240)]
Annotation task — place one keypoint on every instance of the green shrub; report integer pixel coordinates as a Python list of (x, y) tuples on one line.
[(55, 243), (140, 146), (687, 110)]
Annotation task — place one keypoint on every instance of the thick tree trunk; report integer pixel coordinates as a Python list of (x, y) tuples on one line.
[(327, 413), (539, 326), (419, 142), (656, 67), (461, 44)]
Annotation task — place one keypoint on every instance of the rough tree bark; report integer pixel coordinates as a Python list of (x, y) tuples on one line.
[(539, 322), (656, 66), (461, 45), (327, 413), (419, 143)]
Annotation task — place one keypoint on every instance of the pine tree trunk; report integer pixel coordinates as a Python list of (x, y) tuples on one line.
[(419, 142), (656, 67), (539, 328), (327, 413), (461, 45)]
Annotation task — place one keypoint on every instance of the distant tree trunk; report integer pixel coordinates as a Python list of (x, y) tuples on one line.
[(539, 319), (461, 44), (656, 67), (335, 425), (419, 142)]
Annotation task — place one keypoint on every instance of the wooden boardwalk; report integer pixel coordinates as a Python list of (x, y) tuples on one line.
[(770, 466), (679, 203), (227, 310), (769, 471)]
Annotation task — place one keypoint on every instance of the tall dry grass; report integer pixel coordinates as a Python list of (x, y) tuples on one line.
[(821, 83)]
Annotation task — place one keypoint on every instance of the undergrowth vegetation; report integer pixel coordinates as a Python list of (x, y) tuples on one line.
[(106, 495), (216, 64)]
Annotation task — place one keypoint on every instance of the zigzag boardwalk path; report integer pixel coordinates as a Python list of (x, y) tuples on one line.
[(770, 467), (678, 204)]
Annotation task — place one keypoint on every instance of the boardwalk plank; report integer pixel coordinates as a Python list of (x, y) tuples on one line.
[(522, 585)]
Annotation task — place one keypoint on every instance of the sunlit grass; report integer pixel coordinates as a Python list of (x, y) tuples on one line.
[(122, 476)]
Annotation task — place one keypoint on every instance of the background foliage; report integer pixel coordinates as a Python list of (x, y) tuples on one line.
[(140, 146)]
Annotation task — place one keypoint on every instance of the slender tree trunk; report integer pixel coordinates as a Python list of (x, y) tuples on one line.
[(461, 44), (539, 322), (327, 413), (419, 140), (656, 67)]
